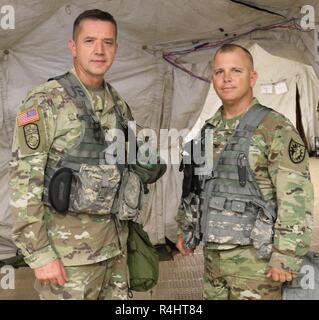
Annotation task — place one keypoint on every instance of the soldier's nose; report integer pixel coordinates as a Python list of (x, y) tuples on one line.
[(98, 49), (227, 77)]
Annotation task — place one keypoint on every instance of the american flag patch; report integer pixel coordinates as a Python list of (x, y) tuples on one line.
[(28, 116)]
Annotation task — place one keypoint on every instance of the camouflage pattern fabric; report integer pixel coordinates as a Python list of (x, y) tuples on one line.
[(237, 274), (281, 179), (233, 201), (187, 220), (41, 234), (279, 161), (106, 280), (96, 187), (130, 195), (149, 173)]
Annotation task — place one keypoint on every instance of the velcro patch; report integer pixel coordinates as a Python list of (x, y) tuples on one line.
[(31, 135), (297, 151), (28, 116)]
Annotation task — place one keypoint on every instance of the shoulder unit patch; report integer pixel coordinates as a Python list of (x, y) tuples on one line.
[(31, 135), (297, 151)]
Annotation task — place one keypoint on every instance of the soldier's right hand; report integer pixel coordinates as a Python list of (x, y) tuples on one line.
[(53, 272), (180, 245)]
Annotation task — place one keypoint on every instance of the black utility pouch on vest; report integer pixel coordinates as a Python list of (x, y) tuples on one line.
[(60, 188)]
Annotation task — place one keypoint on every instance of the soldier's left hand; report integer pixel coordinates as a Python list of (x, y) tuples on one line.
[(278, 274)]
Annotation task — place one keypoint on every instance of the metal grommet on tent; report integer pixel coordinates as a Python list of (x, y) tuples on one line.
[(6, 51)]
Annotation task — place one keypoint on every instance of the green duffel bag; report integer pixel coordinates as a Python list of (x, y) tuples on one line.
[(143, 261)]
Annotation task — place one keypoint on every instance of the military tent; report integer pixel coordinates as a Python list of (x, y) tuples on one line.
[(162, 70)]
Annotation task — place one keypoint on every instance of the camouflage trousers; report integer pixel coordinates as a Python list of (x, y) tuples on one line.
[(237, 274), (105, 280)]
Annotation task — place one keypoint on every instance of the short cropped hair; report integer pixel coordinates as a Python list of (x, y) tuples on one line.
[(94, 14), (230, 47)]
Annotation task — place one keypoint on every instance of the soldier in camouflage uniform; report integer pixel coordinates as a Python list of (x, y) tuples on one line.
[(279, 162), (74, 255)]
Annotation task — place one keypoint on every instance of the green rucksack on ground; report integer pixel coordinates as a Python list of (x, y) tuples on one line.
[(142, 259)]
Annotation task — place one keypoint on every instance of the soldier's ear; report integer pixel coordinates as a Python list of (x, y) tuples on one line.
[(253, 78), (72, 47)]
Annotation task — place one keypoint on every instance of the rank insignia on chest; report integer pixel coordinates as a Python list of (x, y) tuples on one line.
[(297, 151), (31, 135), (27, 116)]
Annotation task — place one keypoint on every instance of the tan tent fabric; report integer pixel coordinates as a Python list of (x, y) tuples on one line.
[(160, 95)]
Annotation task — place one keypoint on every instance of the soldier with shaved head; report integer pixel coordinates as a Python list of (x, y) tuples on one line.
[(257, 202)]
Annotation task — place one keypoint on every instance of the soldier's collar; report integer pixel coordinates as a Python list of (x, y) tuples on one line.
[(239, 116), (108, 102), (216, 118)]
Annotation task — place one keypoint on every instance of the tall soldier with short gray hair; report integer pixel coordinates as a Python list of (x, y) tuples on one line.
[(64, 190), (256, 204)]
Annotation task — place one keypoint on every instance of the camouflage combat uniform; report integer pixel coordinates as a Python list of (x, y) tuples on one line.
[(279, 161), (90, 246)]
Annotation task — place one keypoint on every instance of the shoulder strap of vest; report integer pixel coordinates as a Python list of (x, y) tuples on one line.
[(118, 112), (246, 127), (253, 117), (74, 89)]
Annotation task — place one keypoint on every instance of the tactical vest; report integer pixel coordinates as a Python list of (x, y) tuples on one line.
[(233, 207), (83, 181)]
